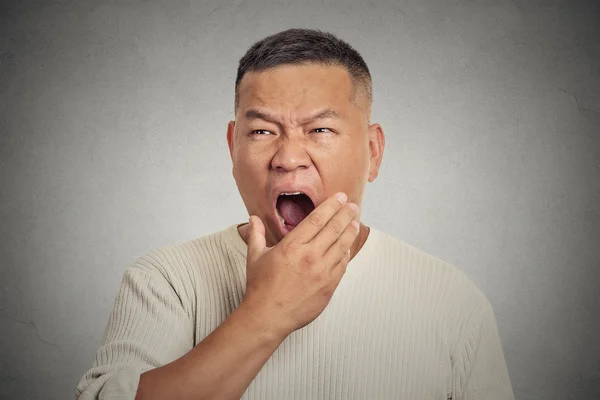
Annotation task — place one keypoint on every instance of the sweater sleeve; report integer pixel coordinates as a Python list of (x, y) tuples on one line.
[(479, 370), (148, 328)]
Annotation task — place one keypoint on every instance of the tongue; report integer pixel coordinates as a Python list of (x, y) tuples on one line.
[(291, 212)]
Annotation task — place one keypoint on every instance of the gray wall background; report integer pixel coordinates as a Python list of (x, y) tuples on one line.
[(113, 122)]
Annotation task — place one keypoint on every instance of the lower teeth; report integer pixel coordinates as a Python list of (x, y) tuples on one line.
[(280, 219)]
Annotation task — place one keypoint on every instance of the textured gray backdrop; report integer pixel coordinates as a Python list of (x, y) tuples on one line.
[(113, 122)]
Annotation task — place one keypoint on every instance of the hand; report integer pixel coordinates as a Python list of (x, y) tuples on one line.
[(290, 284)]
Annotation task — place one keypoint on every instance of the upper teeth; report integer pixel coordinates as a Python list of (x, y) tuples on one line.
[(290, 194)]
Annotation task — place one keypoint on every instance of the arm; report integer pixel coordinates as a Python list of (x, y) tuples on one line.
[(148, 327), (222, 365)]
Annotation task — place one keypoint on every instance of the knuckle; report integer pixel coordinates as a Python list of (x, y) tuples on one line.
[(344, 245), (316, 220), (335, 227), (318, 278), (288, 246), (308, 259)]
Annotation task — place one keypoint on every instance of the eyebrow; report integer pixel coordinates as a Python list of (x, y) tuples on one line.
[(320, 114)]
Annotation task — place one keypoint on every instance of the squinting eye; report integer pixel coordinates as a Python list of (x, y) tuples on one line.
[(260, 132), (321, 130)]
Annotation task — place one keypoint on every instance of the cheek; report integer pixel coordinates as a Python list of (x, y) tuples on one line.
[(349, 157), (247, 167), (347, 167)]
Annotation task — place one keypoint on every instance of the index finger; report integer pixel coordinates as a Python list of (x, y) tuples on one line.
[(317, 219)]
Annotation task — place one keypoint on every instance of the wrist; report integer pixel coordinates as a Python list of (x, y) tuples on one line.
[(262, 322)]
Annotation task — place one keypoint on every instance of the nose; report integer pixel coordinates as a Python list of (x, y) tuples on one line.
[(291, 154)]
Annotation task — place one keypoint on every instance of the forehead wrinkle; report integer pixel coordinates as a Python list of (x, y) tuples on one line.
[(320, 114), (300, 100), (324, 113), (255, 113)]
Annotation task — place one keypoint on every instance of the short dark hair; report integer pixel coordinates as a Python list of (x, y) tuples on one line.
[(304, 46)]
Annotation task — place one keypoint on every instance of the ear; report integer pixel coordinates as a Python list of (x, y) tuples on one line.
[(230, 133), (376, 146)]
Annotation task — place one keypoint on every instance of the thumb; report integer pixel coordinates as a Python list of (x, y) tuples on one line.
[(256, 238)]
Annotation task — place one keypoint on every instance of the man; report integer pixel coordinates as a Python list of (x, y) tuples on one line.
[(304, 301)]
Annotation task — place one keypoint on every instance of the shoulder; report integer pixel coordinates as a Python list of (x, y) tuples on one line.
[(435, 279), (435, 288), (185, 263)]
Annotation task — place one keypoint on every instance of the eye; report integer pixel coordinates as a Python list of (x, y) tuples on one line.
[(322, 130), (260, 132)]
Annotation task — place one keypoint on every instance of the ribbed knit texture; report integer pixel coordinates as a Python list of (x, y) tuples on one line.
[(402, 324)]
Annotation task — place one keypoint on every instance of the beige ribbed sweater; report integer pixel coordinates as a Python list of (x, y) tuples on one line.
[(401, 325)]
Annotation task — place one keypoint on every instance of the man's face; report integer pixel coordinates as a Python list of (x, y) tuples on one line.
[(299, 129)]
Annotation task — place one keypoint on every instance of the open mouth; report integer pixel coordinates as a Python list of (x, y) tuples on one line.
[(292, 208)]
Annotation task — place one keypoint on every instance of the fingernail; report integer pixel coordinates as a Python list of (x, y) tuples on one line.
[(354, 207), (355, 224), (342, 197)]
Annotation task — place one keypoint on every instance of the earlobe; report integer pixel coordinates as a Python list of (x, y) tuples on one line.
[(373, 173)]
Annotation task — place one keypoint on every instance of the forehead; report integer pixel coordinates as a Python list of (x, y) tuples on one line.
[(297, 87)]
